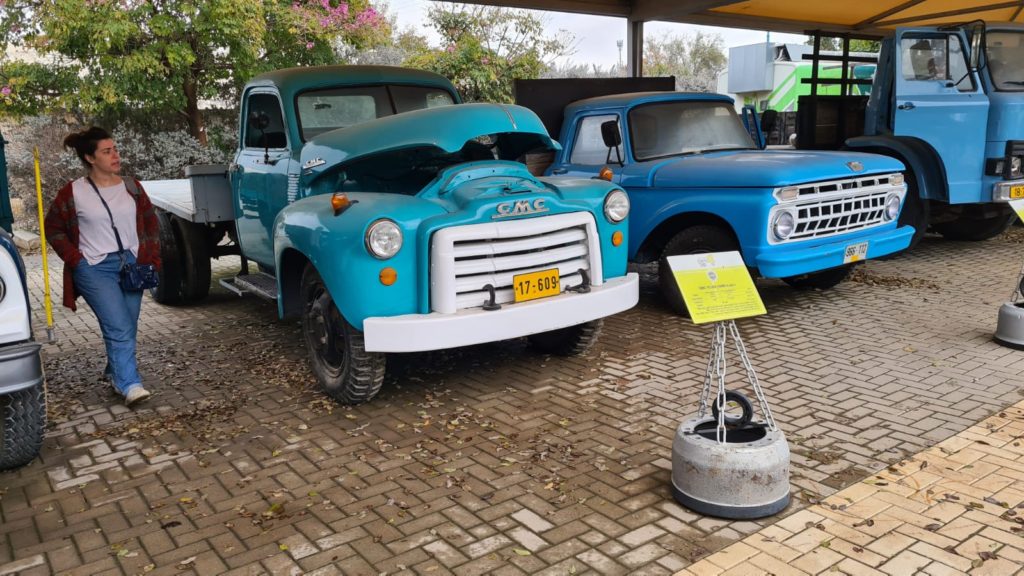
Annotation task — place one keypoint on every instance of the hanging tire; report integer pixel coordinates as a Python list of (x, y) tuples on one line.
[(348, 373), (23, 415), (194, 243), (693, 240), (975, 229), (736, 400), (168, 291), (915, 211), (571, 341), (823, 280)]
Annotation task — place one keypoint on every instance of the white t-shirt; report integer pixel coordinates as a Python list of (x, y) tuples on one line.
[(95, 234)]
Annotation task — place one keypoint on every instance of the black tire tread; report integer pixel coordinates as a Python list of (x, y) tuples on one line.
[(365, 370), (571, 341), (168, 292), (24, 421), (975, 230), (195, 257)]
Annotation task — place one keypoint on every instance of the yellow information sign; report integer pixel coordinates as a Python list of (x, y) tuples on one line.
[(1018, 207), (716, 286)]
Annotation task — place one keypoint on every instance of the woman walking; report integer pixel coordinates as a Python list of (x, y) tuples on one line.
[(97, 224)]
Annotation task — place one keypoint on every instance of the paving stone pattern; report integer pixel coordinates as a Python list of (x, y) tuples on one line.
[(493, 458)]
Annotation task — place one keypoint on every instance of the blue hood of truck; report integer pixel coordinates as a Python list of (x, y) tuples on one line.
[(763, 168)]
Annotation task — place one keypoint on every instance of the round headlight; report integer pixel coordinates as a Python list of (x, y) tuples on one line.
[(892, 206), (783, 224), (384, 239), (1015, 165), (616, 206)]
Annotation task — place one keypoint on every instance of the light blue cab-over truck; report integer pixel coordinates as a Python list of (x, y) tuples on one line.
[(391, 218), (698, 182), (948, 102)]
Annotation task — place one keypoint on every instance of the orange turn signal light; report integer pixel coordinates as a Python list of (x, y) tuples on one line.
[(617, 238), (340, 202), (388, 276), (606, 174)]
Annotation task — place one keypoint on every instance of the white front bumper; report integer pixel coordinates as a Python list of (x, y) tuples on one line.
[(435, 331)]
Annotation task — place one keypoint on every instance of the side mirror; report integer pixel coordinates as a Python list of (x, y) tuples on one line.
[(610, 133), (977, 32), (612, 139)]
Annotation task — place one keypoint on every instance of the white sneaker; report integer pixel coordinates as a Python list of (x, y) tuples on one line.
[(135, 394)]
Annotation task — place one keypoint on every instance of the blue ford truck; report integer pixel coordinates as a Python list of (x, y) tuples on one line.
[(391, 218), (698, 182), (947, 102)]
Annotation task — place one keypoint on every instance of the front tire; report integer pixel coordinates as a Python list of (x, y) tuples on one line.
[(348, 373), (571, 341), (823, 280), (23, 416), (916, 211), (693, 240)]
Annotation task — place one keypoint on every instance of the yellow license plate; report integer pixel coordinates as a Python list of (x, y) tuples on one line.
[(1016, 192), (535, 285)]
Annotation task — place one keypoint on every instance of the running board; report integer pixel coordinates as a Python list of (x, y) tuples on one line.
[(261, 284)]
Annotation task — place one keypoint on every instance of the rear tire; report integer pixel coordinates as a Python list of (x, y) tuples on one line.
[(348, 373), (693, 240), (23, 416), (975, 229), (823, 280), (168, 291), (195, 258), (571, 341)]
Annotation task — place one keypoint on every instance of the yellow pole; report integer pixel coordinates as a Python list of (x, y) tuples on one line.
[(42, 238)]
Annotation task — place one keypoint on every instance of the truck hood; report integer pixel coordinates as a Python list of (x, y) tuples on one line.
[(423, 140), (765, 168)]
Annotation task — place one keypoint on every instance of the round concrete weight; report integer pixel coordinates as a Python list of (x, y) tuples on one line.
[(1010, 326), (747, 477)]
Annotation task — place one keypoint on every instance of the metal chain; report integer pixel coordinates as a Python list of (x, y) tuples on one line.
[(741, 349), (712, 368)]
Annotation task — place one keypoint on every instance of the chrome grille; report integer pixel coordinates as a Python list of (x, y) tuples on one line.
[(464, 259), (829, 208)]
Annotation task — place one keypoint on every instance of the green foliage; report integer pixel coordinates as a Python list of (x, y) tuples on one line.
[(485, 48), (834, 44), (695, 61), (162, 57)]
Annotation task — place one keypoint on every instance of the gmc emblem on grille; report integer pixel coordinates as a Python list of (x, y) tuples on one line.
[(520, 208)]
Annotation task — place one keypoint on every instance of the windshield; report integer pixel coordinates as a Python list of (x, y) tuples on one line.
[(322, 110), (674, 128), (1004, 52)]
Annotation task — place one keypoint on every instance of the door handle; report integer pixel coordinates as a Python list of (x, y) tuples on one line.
[(907, 106), (560, 171)]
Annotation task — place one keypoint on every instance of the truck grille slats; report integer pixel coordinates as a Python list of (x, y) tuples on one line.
[(464, 259), (828, 208)]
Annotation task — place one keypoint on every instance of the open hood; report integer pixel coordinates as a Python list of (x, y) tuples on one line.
[(406, 150)]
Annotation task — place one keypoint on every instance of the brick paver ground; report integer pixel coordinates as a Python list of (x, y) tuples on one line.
[(494, 459)]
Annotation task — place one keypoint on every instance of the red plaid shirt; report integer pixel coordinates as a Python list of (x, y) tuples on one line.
[(62, 233)]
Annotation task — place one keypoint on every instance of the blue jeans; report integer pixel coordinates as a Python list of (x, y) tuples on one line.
[(118, 315)]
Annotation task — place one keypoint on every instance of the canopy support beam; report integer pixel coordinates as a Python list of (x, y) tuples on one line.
[(635, 48)]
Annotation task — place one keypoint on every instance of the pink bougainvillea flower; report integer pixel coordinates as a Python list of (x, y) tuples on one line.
[(309, 45), (6, 90)]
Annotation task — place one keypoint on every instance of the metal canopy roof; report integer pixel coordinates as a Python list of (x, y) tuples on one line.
[(866, 17)]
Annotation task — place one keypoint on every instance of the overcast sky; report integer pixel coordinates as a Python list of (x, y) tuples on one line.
[(595, 35)]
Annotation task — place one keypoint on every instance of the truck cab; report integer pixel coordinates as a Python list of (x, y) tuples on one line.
[(953, 120), (389, 218), (698, 183)]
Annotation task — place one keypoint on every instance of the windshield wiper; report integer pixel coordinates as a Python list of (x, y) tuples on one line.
[(1017, 82)]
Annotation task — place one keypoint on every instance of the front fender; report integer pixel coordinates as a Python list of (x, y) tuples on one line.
[(745, 211), (335, 246)]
